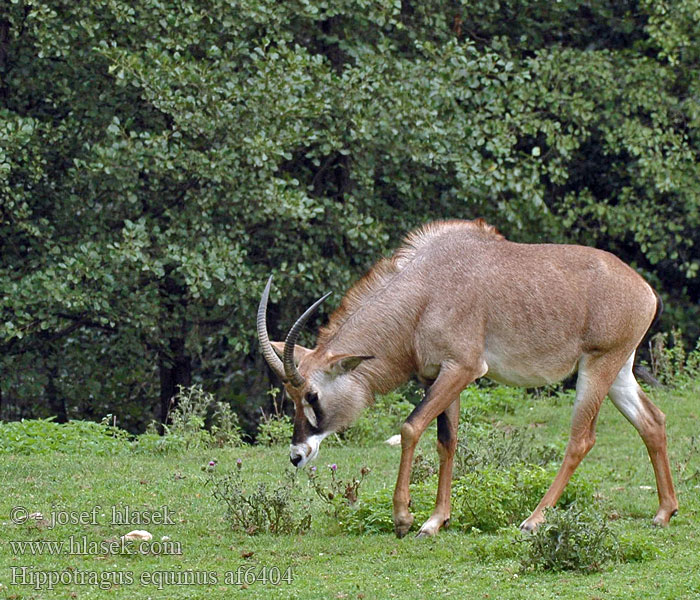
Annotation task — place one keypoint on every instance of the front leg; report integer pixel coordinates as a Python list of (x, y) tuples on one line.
[(403, 519), (447, 423), (441, 395)]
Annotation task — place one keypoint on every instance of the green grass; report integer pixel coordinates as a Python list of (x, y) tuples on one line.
[(329, 563)]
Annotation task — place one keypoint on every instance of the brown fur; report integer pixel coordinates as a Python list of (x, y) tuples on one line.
[(382, 273)]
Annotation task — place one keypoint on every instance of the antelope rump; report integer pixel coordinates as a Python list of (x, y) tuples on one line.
[(457, 301)]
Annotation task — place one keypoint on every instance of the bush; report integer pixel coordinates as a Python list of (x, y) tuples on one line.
[(486, 500), (489, 498), (670, 363), (572, 539), (187, 427), (500, 476), (274, 430), (42, 436), (479, 400), (482, 445)]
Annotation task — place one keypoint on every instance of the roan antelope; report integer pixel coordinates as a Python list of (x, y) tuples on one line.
[(456, 302)]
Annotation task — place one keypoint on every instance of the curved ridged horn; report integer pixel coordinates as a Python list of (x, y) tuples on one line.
[(272, 359), (290, 369)]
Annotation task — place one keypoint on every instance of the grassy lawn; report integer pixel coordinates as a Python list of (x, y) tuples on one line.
[(327, 562)]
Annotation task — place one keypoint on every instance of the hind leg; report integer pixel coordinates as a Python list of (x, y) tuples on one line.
[(650, 422), (596, 373)]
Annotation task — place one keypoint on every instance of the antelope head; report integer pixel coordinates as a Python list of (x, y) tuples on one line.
[(327, 394)]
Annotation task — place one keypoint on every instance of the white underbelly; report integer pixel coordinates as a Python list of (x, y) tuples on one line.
[(526, 374)]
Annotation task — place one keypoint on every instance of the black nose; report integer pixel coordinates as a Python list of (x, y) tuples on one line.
[(295, 459)]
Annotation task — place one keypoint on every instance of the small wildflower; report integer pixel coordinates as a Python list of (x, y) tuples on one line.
[(209, 466), (313, 469), (334, 467), (239, 463)]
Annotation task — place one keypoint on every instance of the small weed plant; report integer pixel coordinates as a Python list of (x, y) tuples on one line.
[(275, 427), (423, 468), (225, 426), (262, 508), (337, 494), (577, 538)]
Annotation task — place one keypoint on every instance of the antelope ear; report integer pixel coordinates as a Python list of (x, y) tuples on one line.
[(344, 363), (299, 351)]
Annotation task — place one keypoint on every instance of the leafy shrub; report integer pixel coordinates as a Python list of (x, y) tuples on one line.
[(42, 436), (479, 400), (187, 427), (490, 498), (486, 500), (274, 430), (670, 363), (225, 427), (482, 445), (500, 476), (261, 508), (276, 427), (574, 539), (423, 468), (381, 420)]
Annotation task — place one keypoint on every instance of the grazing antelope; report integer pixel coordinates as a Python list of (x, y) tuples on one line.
[(456, 302)]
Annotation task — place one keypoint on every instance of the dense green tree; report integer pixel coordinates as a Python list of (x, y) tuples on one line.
[(158, 160)]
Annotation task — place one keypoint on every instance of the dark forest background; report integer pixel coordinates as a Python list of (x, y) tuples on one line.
[(159, 160)]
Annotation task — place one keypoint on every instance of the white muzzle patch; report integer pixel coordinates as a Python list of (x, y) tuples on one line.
[(306, 450)]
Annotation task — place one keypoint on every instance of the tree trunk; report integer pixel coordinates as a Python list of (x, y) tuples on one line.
[(175, 370), (57, 404), (173, 363)]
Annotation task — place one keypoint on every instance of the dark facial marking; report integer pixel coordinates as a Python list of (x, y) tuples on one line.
[(302, 428), (312, 399)]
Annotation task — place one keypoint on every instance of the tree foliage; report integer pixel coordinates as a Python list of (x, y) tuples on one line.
[(159, 160)]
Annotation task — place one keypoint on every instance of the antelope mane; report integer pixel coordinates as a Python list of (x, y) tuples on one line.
[(383, 272)]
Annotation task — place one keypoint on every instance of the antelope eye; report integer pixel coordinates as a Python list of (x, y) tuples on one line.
[(312, 397)]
